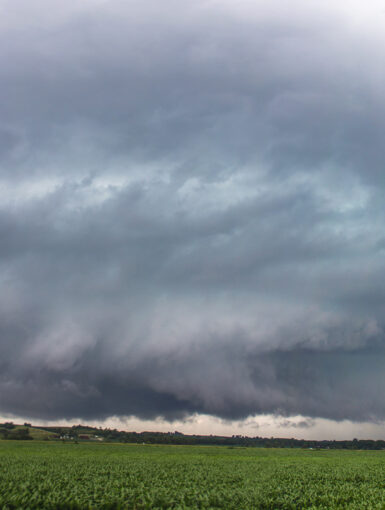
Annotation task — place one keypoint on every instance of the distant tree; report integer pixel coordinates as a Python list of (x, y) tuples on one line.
[(8, 425), (20, 434), (4, 433)]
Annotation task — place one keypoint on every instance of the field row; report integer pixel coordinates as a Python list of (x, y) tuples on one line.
[(53, 475)]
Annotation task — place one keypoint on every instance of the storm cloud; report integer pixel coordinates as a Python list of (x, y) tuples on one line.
[(192, 209)]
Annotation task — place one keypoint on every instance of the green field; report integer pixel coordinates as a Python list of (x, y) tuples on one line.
[(56, 475)]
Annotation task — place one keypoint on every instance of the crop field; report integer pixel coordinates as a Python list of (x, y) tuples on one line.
[(111, 476)]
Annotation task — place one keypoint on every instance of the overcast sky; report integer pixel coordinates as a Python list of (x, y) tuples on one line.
[(192, 214)]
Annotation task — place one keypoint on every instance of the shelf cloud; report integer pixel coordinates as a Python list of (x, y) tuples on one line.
[(192, 209)]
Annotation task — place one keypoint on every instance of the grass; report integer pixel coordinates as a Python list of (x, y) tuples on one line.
[(112, 476)]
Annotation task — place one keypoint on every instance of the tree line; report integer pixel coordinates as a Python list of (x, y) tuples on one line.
[(10, 431)]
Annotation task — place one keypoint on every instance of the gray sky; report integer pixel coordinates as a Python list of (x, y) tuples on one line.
[(192, 214)]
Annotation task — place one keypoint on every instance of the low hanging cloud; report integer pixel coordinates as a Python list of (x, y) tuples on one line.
[(191, 209)]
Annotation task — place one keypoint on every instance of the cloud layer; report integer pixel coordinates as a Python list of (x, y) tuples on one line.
[(191, 209)]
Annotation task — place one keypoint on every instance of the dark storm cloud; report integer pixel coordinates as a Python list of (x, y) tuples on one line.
[(191, 211)]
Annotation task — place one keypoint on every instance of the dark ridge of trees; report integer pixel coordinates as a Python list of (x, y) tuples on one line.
[(10, 431), (177, 438)]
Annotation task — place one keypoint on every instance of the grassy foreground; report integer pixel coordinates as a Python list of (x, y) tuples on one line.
[(55, 475)]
